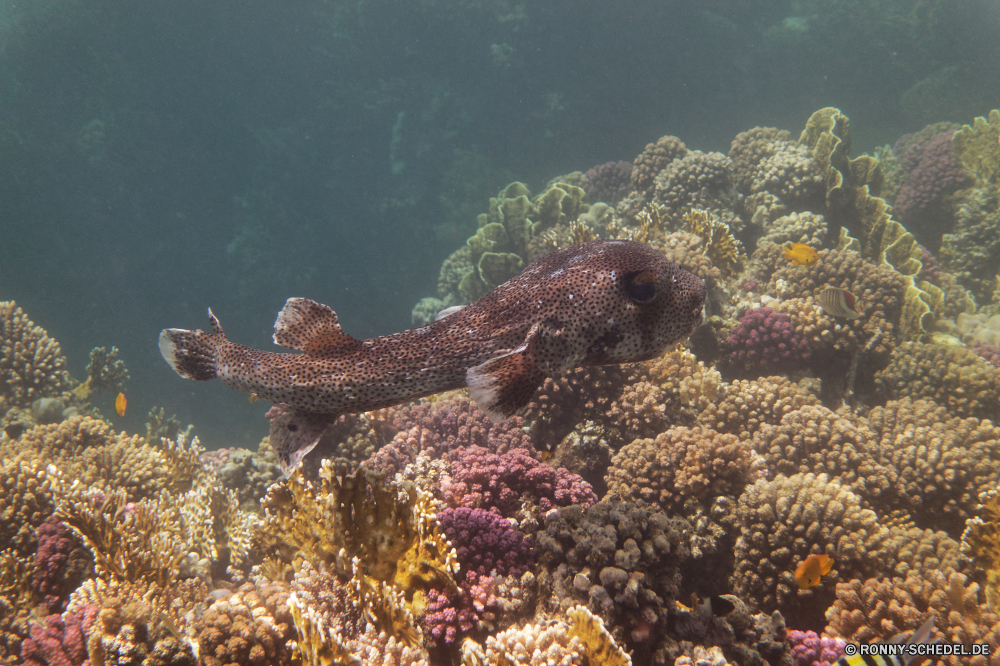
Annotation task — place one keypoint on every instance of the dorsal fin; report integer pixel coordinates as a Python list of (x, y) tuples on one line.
[(310, 327)]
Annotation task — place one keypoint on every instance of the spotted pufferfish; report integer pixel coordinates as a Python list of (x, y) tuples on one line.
[(597, 303)]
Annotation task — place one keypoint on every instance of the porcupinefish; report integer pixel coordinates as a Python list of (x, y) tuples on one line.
[(597, 303)]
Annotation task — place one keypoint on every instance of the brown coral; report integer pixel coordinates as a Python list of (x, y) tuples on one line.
[(954, 377), (31, 363), (743, 406), (653, 159), (751, 148), (815, 439), (784, 521), (941, 462), (26, 501), (679, 464), (250, 626)]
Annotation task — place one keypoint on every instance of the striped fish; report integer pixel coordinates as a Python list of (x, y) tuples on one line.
[(919, 636), (839, 303)]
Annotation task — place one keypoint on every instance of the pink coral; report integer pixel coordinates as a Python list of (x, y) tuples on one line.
[(932, 173), (55, 545), (60, 641), (485, 542), (766, 337), (609, 182), (810, 649), (500, 482)]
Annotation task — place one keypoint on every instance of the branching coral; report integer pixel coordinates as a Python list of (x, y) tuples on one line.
[(653, 159), (680, 464), (391, 528), (26, 501), (784, 521), (621, 558), (31, 363), (954, 377), (743, 406)]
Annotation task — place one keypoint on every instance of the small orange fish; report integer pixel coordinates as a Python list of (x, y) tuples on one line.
[(120, 403), (811, 569), (801, 254)]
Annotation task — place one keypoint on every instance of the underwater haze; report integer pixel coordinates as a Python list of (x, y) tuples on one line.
[(499, 333), (166, 158)]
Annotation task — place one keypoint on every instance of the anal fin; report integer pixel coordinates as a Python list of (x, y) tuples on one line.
[(294, 434), (503, 386)]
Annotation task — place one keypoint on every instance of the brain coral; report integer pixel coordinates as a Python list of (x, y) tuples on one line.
[(31, 363), (680, 464), (954, 377), (785, 520)]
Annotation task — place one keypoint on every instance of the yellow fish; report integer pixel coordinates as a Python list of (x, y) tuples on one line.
[(811, 569), (801, 254), (120, 403)]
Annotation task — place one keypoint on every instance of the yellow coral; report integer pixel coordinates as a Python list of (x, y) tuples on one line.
[(981, 542), (600, 646), (717, 242), (390, 528), (978, 148)]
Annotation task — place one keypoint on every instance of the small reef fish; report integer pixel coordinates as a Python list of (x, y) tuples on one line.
[(811, 569), (120, 404), (904, 658), (839, 303), (597, 303), (801, 254)]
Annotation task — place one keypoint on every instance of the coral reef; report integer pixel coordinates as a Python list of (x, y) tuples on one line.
[(31, 363), (609, 182), (764, 339)]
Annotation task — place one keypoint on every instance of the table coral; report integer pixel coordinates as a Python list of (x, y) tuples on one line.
[(765, 338), (31, 363), (785, 520), (954, 377), (743, 406), (653, 159), (680, 464)]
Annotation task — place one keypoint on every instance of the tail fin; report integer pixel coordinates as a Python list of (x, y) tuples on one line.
[(192, 353)]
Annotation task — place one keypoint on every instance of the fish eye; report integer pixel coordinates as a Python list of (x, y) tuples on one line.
[(641, 287)]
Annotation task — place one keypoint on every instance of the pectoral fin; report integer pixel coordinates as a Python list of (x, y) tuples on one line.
[(294, 434), (503, 386)]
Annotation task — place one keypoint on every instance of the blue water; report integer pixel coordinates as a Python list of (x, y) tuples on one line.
[(157, 159)]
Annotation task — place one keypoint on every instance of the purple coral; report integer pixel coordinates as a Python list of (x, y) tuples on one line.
[(764, 336), (60, 641), (989, 353), (451, 612), (500, 481), (932, 173), (809, 649), (485, 542), (609, 182), (55, 545)]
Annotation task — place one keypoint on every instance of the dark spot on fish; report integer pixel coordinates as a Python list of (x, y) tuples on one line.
[(15, 430), (599, 351), (292, 427)]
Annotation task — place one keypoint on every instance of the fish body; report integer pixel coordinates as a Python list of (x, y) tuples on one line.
[(120, 404), (839, 302), (894, 652), (597, 303), (801, 254), (811, 570)]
